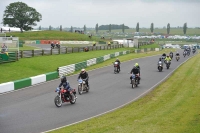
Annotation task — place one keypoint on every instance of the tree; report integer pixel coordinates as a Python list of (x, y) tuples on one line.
[(60, 27), (185, 28), (168, 28), (50, 27), (137, 27), (84, 28), (19, 14), (71, 30), (40, 28), (123, 28), (152, 27), (97, 28), (110, 28)]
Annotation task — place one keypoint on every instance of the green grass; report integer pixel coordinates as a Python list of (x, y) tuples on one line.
[(172, 107)]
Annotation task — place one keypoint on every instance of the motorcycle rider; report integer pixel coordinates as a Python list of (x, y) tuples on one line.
[(193, 50), (52, 45), (171, 54), (168, 59), (135, 71), (65, 84), (163, 56), (84, 75), (160, 60), (117, 60), (137, 65)]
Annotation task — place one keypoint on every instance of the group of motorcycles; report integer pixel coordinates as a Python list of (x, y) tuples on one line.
[(55, 46), (134, 80), (65, 96)]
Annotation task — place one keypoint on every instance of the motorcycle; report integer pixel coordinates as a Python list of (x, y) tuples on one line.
[(52, 46), (177, 57), (193, 51), (160, 66), (134, 80), (171, 56), (82, 86), (58, 46), (116, 67), (64, 96), (188, 53), (167, 64), (184, 53)]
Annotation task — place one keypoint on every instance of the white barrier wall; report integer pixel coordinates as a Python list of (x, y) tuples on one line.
[(106, 57), (4, 87), (157, 49), (91, 62), (74, 42), (38, 79), (116, 54), (66, 69)]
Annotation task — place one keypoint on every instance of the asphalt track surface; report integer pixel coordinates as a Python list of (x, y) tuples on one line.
[(32, 110)]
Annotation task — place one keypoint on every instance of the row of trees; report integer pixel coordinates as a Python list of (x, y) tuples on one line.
[(19, 14)]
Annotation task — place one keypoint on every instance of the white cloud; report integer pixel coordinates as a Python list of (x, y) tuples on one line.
[(78, 13)]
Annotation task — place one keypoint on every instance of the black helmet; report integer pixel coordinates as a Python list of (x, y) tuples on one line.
[(63, 79)]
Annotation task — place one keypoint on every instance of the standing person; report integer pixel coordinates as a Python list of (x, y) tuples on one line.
[(84, 76), (3, 48)]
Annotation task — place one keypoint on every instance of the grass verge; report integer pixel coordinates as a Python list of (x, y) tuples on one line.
[(172, 107)]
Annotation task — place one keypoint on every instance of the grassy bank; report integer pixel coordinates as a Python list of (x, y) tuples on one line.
[(52, 35), (172, 107)]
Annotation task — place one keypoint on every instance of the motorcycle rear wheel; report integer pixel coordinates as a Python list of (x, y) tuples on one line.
[(58, 101)]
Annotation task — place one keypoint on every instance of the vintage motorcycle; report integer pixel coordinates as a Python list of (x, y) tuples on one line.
[(82, 87), (177, 57), (64, 96), (167, 64), (116, 67), (184, 53), (160, 66), (134, 80)]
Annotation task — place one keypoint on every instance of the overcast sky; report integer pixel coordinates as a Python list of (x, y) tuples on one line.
[(78, 13)]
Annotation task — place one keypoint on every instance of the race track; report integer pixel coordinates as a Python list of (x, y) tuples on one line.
[(32, 110)]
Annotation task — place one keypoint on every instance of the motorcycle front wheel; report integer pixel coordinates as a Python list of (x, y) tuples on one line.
[(73, 99), (80, 90), (115, 70), (133, 83), (58, 101)]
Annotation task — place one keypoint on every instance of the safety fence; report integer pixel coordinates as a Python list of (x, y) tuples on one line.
[(63, 50)]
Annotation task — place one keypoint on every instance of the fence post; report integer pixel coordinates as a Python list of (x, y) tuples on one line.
[(51, 52), (43, 52), (22, 54), (72, 49), (32, 53), (66, 51), (59, 50), (78, 50)]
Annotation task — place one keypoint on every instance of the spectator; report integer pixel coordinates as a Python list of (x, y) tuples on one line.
[(3, 48)]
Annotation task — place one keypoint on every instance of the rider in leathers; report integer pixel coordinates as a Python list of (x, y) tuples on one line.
[(84, 75), (135, 71), (117, 60)]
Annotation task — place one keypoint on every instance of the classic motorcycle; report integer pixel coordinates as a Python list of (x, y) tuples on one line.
[(64, 96), (116, 67), (167, 64), (160, 66), (184, 53), (82, 86), (171, 55), (134, 80), (177, 57)]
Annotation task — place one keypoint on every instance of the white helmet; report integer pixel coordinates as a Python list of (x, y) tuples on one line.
[(82, 70)]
